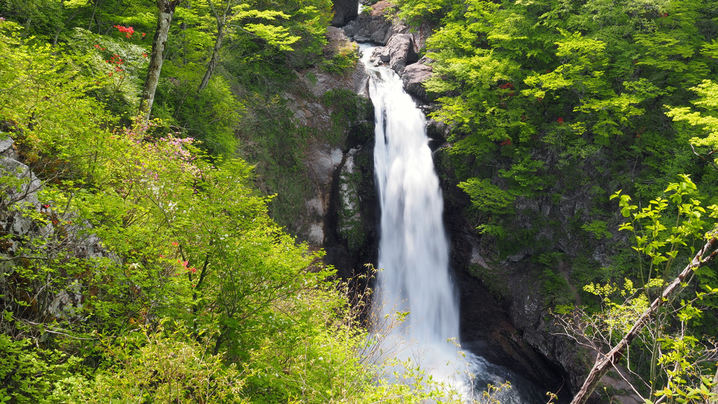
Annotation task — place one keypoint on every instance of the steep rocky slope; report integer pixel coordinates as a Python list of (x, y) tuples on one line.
[(504, 306)]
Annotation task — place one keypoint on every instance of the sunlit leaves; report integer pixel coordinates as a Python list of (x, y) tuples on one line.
[(705, 120), (487, 197)]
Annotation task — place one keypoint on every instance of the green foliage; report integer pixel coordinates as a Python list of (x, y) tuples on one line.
[(166, 367), (276, 36), (40, 17), (549, 103), (670, 356), (703, 123), (32, 375), (553, 95), (343, 60), (486, 197), (135, 225), (271, 140), (116, 64), (657, 240), (210, 116), (417, 11), (598, 229), (351, 117)]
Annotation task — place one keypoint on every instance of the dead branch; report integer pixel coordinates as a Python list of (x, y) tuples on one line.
[(605, 362)]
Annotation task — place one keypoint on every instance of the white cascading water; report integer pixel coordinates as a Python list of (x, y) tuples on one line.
[(413, 247)]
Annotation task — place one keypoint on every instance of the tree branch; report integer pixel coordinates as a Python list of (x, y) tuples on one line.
[(605, 362)]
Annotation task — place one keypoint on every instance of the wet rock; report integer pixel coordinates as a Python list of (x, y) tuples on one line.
[(382, 54), (371, 25)]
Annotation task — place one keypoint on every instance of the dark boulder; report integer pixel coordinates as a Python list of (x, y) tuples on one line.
[(414, 77), (345, 11), (401, 51), (372, 25)]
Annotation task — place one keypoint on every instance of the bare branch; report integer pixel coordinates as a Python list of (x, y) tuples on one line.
[(605, 362)]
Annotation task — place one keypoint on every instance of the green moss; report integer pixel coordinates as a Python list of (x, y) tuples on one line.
[(351, 115)]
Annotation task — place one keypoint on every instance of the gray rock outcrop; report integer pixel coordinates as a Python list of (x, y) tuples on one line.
[(401, 45), (414, 76), (31, 229), (344, 11), (19, 192), (401, 52), (369, 28)]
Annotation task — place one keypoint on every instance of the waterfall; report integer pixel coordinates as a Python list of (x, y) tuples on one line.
[(413, 262), (413, 247)]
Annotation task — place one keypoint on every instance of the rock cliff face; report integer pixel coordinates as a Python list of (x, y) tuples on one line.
[(340, 214), (345, 11), (514, 284)]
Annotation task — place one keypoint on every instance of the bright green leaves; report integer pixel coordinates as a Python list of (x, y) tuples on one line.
[(598, 228), (671, 52), (710, 49), (115, 64), (575, 80), (703, 122), (657, 323), (31, 375), (275, 35), (657, 240), (45, 100), (583, 61), (487, 197), (618, 318), (168, 366), (581, 79), (420, 10), (688, 377)]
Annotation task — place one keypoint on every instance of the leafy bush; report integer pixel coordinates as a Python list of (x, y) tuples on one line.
[(167, 366), (30, 374), (210, 116)]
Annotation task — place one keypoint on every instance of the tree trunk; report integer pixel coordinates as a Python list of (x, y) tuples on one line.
[(92, 17), (221, 26), (604, 362), (159, 43), (214, 60)]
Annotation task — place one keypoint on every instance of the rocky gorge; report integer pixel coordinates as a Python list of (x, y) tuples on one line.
[(503, 313), (504, 316)]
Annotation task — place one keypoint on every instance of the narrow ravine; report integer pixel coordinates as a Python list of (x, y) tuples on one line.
[(413, 259), (413, 249)]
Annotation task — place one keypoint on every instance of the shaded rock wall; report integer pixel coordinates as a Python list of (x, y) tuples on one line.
[(345, 11), (341, 212), (514, 283)]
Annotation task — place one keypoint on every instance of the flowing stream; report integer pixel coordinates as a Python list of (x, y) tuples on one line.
[(413, 248)]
